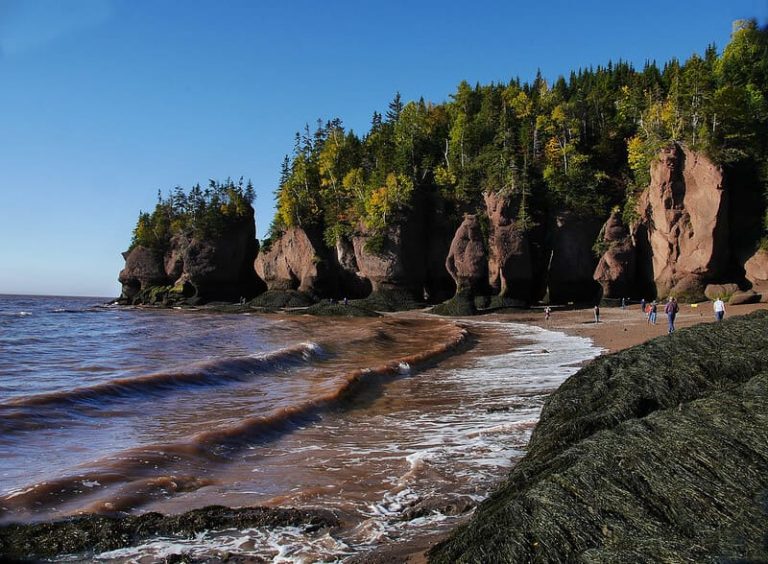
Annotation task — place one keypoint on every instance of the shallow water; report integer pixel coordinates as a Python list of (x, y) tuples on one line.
[(390, 422)]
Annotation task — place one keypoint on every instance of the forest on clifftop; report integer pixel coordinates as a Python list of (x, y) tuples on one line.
[(583, 144)]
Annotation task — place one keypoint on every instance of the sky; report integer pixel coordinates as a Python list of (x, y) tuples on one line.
[(105, 102)]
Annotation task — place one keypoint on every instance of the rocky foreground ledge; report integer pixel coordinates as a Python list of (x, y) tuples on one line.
[(90, 534), (658, 453)]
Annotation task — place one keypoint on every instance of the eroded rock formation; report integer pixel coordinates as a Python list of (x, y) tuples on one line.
[(466, 261), (684, 212), (510, 270), (297, 260), (616, 269), (194, 268)]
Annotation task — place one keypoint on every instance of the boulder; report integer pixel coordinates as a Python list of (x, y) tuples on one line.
[(714, 291), (746, 297), (510, 269), (572, 264), (616, 269), (466, 261), (684, 212), (756, 267)]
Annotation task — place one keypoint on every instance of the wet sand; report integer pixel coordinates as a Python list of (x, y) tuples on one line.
[(618, 329)]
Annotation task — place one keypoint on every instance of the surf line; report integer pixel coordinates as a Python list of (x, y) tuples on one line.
[(136, 476)]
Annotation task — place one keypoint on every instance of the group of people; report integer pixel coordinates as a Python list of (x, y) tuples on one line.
[(650, 310)]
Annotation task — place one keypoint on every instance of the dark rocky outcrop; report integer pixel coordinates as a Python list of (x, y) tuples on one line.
[(616, 269), (656, 453), (572, 263), (91, 534), (193, 268), (143, 269)]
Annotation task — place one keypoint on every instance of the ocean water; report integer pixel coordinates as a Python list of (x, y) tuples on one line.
[(392, 423)]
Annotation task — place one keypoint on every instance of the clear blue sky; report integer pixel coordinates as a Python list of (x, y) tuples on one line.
[(103, 102)]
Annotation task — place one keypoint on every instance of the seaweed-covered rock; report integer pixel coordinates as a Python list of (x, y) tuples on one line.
[(278, 299), (658, 453), (460, 305), (337, 309), (91, 534)]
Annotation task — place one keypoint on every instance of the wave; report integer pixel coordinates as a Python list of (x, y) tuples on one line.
[(23, 413), (134, 477)]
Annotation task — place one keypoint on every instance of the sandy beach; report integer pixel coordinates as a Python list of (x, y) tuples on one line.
[(623, 328), (618, 329)]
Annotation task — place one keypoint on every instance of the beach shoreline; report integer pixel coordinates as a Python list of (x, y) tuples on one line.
[(617, 330)]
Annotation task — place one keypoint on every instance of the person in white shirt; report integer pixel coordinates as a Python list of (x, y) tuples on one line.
[(719, 306)]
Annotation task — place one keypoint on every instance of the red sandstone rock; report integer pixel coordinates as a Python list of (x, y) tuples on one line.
[(685, 212), (616, 269), (756, 268), (510, 272), (466, 261), (292, 262)]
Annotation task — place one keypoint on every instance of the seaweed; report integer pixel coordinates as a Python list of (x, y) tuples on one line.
[(100, 533), (654, 454)]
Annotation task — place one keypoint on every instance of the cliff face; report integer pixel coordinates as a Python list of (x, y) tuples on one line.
[(616, 269), (297, 260), (685, 213), (510, 268), (572, 264), (681, 240), (218, 268), (466, 262)]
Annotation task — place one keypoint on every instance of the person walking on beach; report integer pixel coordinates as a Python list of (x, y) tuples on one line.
[(547, 314), (652, 312), (642, 305), (597, 313), (719, 306), (671, 310)]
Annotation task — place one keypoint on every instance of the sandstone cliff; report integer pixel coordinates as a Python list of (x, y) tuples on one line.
[(510, 268), (297, 260), (194, 269), (680, 242), (616, 269), (684, 214)]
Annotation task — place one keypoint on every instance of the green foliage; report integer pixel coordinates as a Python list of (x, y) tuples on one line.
[(584, 144), (200, 213)]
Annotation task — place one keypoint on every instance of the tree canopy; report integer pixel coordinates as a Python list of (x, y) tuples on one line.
[(200, 212), (582, 144)]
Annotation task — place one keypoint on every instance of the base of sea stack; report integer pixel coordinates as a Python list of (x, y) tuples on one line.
[(658, 453)]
